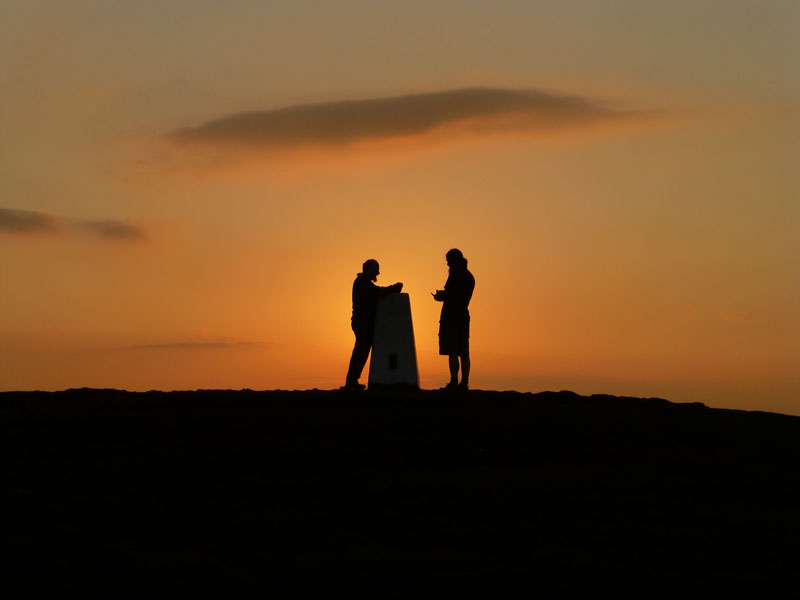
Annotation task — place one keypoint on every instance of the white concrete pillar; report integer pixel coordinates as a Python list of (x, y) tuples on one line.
[(394, 353)]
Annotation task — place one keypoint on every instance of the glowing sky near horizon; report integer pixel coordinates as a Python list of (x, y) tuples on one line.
[(189, 191)]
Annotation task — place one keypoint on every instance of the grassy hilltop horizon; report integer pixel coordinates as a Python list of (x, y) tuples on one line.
[(499, 493)]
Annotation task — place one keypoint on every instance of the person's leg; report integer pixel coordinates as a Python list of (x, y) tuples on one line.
[(463, 354), (359, 357), (465, 365), (453, 360)]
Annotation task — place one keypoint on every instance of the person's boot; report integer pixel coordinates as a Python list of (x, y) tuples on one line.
[(354, 386)]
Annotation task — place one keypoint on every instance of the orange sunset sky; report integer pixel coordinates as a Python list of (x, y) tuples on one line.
[(189, 188)]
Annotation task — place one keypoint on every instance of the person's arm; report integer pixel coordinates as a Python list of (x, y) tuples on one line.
[(442, 295), (383, 291)]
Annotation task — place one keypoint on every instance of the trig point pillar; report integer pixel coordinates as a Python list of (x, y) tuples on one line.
[(394, 353)]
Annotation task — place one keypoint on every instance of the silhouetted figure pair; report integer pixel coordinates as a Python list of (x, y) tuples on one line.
[(454, 320), (453, 323), (365, 302)]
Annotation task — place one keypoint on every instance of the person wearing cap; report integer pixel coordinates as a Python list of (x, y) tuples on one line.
[(365, 302)]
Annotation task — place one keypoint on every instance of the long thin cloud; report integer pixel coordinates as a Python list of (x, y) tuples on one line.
[(29, 222), (188, 345), (343, 122)]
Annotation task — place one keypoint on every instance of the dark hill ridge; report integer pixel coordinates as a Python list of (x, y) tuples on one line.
[(399, 494)]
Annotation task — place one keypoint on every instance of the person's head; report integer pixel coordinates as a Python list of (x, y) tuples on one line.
[(371, 269), (455, 258)]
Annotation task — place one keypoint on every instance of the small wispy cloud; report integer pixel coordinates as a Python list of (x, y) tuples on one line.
[(737, 316), (26, 221), (716, 314), (114, 230), (188, 345), (30, 222), (482, 110)]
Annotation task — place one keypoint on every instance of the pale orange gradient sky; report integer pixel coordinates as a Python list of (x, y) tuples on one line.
[(639, 238)]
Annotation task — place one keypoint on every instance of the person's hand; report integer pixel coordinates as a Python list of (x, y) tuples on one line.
[(438, 296), (398, 286)]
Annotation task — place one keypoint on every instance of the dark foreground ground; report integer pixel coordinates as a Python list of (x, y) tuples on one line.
[(396, 495)]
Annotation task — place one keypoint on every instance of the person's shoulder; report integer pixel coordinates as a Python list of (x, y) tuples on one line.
[(364, 282)]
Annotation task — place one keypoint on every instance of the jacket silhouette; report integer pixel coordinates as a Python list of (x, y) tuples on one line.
[(454, 319), (365, 302)]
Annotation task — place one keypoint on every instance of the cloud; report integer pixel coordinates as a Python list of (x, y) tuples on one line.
[(114, 230), (737, 316), (713, 314), (480, 110), (188, 345), (26, 221)]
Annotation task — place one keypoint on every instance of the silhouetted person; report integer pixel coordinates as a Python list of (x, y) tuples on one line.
[(454, 321), (365, 301)]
